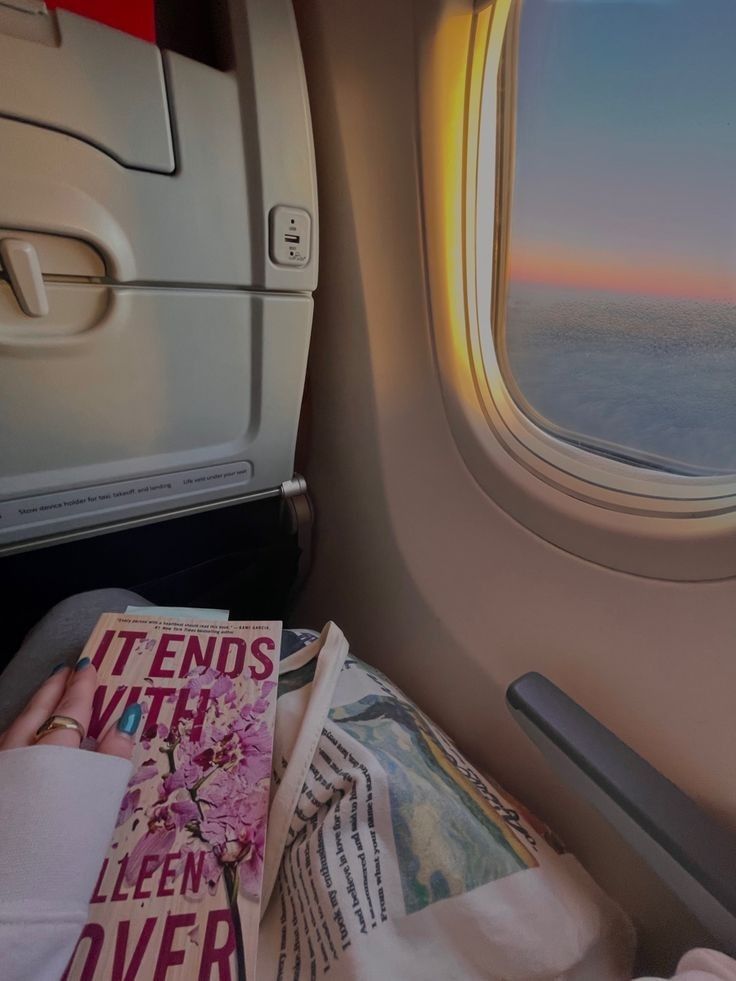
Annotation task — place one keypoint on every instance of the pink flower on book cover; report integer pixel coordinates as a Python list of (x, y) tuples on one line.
[(146, 771), (128, 804), (234, 825), (214, 788), (156, 843)]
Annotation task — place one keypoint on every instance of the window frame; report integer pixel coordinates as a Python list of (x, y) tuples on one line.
[(645, 522)]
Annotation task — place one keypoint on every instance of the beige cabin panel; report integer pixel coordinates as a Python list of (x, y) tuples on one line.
[(447, 593)]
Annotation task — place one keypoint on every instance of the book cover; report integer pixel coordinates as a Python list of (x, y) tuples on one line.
[(179, 892)]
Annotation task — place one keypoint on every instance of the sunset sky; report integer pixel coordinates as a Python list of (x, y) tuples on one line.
[(626, 147)]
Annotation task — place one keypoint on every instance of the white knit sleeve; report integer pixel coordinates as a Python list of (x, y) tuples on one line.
[(58, 809)]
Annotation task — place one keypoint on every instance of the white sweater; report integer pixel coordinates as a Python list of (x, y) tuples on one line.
[(58, 809)]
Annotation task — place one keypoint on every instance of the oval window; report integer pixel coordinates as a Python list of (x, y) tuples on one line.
[(615, 292)]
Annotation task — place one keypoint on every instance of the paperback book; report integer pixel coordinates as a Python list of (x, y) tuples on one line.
[(179, 892)]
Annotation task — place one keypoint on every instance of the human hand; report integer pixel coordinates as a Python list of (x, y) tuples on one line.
[(68, 693)]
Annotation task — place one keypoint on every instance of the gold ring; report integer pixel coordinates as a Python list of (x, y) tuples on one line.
[(55, 722)]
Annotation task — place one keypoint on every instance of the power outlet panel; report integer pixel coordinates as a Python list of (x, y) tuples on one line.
[(290, 232)]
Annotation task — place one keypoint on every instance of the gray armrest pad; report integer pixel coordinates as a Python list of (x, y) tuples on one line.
[(694, 855)]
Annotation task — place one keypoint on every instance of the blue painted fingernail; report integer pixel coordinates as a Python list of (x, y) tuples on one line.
[(130, 719), (82, 663), (57, 668)]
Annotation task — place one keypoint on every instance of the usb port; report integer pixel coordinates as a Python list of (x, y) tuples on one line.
[(292, 239)]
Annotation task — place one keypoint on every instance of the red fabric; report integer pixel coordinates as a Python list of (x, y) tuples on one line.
[(132, 16)]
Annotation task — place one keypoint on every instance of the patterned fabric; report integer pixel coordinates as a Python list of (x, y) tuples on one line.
[(401, 860)]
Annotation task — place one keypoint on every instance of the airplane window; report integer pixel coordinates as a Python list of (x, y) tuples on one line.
[(615, 291)]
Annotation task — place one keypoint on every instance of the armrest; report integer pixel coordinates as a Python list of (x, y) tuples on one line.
[(694, 855)]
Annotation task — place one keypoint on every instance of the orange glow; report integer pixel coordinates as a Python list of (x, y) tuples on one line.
[(640, 274)]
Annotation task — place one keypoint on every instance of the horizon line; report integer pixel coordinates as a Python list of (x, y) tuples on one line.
[(601, 274)]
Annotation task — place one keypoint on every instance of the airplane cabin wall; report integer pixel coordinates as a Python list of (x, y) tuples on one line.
[(430, 580)]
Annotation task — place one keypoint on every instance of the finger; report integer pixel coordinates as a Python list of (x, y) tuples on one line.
[(118, 740), (76, 703), (39, 708)]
